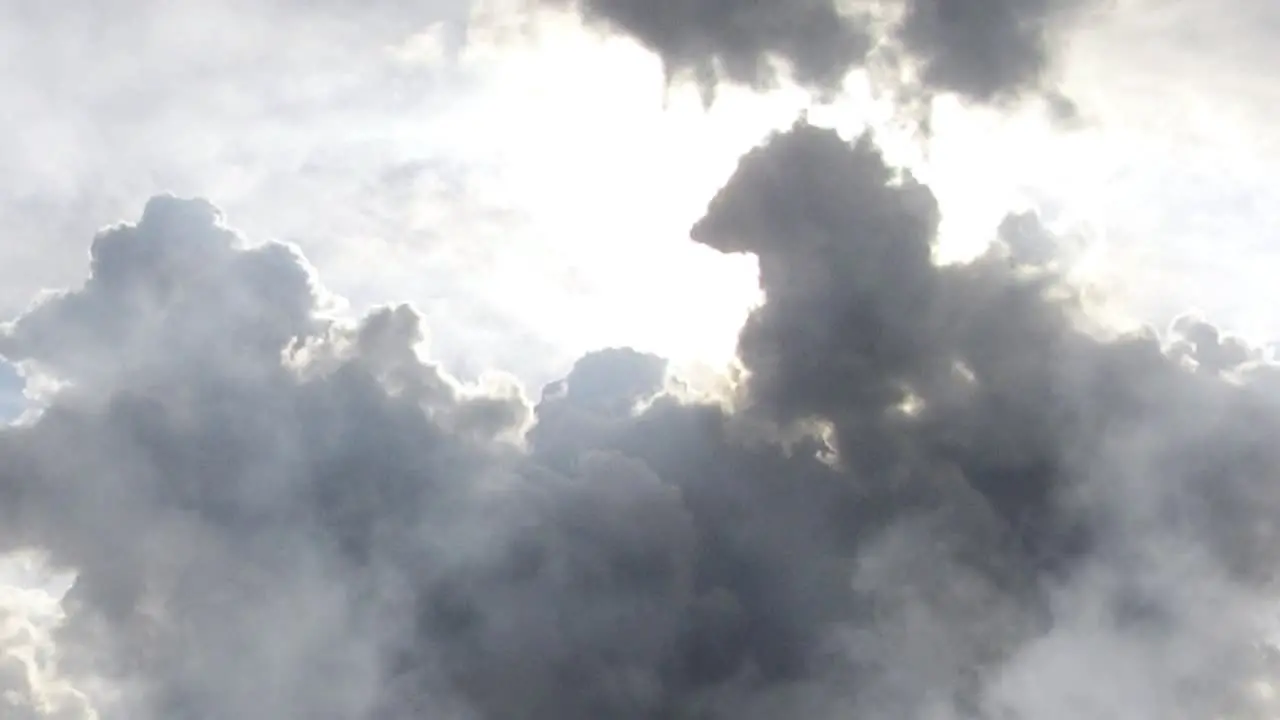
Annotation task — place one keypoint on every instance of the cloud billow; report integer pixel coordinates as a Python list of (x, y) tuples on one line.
[(935, 493), (983, 50)]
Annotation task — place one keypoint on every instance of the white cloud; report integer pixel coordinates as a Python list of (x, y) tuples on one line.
[(1176, 169)]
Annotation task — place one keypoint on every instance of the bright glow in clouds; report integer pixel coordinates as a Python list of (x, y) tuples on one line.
[(604, 172), (30, 613), (611, 183), (605, 169)]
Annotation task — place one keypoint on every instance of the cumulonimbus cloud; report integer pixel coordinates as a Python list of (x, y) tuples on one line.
[(938, 491)]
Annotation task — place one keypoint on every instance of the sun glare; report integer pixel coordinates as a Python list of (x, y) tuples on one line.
[(607, 168), (612, 179)]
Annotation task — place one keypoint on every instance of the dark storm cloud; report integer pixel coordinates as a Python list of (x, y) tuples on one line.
[(986, 367), (740, 41), (932, 484), (976, 391), (983, 49), (986, 50)]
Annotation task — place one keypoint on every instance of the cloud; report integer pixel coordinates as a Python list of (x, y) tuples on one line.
[(29, 687), (239, 100), (988, 51), (937, 491), (739, 42), (984, 50), (1068, 473), (11, 400), (366, 135)]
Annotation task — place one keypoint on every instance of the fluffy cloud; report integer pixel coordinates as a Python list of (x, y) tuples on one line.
[(986, 50), (937, 492)]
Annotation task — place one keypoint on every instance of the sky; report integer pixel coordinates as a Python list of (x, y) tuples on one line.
[(453, 157), (520, 359)]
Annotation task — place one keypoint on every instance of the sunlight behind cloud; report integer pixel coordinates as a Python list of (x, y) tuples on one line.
[(609, 170), (1178, 98)]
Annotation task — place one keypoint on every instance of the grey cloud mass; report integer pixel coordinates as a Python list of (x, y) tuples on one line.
[(739, 41), (985, 50), (938, 492), (11, 399)]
